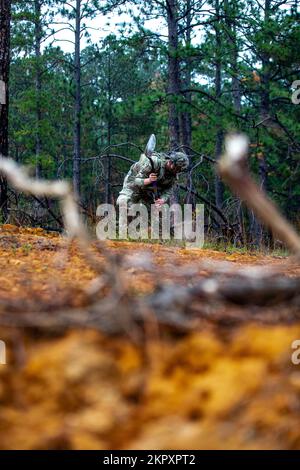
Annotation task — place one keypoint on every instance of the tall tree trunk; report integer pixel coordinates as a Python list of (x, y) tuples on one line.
[(264, 116), (265, 84), (109, 123), (219, 187), (186, 118), (231, 14), (173, 72), (5, 15), (77, 104), (38, 83)]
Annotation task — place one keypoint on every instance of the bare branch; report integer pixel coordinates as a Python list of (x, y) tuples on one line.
[(233, 169)]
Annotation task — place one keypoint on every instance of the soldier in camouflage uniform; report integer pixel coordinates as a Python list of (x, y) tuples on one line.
[(151, 179)]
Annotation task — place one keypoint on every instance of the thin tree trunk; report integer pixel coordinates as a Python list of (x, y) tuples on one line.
[(265, 94), (231, 13), (264, 115), (173, 73), (38, 84), (219, 187), (109, 123), (186, 118), (5, 15), (77, 107)]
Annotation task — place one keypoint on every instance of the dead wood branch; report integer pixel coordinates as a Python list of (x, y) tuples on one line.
[(74, 226), (172, 305), (233, 169)]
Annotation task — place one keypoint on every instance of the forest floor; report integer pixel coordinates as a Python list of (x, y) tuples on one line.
[(220, 386)]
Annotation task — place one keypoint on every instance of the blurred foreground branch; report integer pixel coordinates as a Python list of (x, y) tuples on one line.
[(20, 180), (233, 169)]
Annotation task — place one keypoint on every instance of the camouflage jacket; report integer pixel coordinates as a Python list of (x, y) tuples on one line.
[(133, 186)]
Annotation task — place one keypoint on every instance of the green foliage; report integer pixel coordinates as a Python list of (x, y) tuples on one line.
[(124, 97)]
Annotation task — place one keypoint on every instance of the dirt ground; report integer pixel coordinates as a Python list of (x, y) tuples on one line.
[(221, 386)]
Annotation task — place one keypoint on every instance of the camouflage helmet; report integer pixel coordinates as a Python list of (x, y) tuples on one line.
[(179, 159)]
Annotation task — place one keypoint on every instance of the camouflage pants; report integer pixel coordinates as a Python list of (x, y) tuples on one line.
[(126, 200)]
